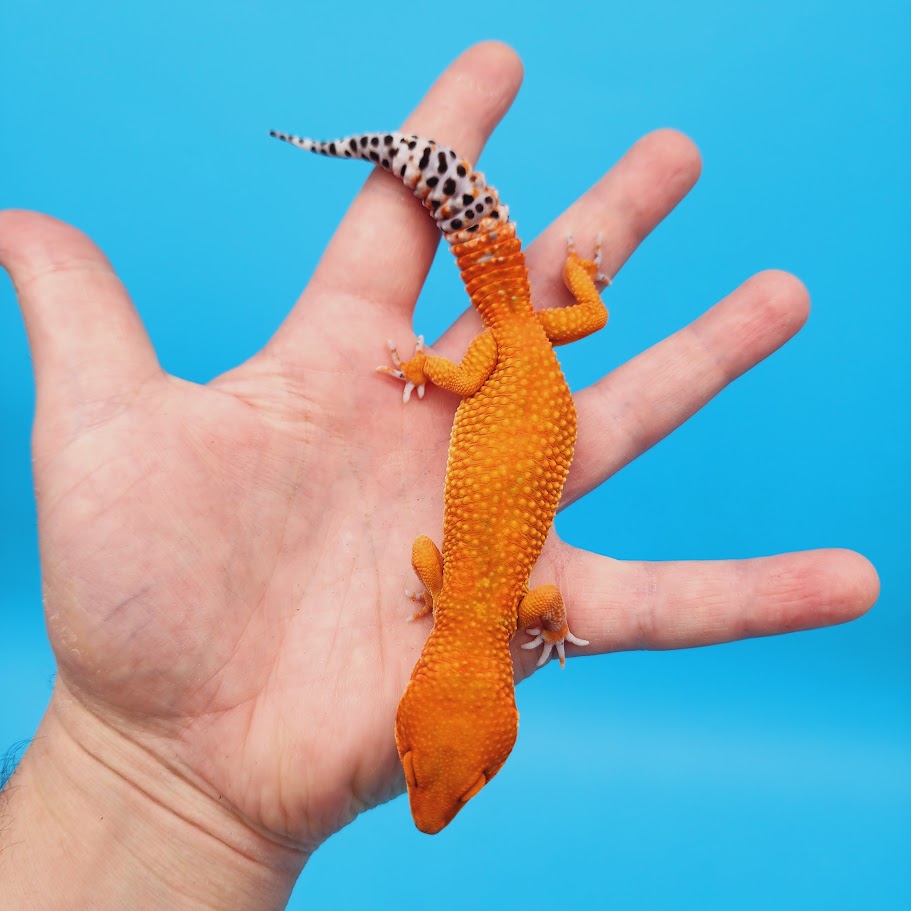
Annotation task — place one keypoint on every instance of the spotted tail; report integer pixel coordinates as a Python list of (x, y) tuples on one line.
[(457, 196)]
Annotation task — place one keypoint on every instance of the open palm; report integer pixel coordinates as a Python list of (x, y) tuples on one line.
[(224, 564)]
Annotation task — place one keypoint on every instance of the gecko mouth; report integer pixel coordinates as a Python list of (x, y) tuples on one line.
[(482, 780), (433, 805)]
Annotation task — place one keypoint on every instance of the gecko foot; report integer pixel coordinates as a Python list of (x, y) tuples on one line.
[(550, 641), (419, 598), (409, 371), (594, 265)]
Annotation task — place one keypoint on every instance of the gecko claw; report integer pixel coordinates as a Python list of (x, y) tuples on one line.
[(410, 387), (418, 598), (545, 654), (551, 641), (600, 278)]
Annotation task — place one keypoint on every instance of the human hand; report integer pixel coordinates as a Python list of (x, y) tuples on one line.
[(223, 564)]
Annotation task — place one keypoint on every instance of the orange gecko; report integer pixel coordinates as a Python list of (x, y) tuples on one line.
[(512, 443)]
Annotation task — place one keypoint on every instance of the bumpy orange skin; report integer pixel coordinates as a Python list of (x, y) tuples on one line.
[(512, 442), (511, 448)]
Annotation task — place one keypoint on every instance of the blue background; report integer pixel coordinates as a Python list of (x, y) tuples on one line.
[(770, 773)]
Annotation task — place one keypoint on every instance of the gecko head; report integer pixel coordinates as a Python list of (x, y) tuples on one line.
[(453, 731)]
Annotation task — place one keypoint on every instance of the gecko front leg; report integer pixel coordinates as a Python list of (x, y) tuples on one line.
[(464, 379)]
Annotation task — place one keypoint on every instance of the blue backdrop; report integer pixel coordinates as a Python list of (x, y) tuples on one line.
[(770, 773)]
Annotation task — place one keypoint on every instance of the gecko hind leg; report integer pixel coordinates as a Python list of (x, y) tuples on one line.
[(543, 615), (585, 281), (427, 562)]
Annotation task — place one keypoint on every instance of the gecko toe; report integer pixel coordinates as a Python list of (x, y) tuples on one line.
[(545, 654)]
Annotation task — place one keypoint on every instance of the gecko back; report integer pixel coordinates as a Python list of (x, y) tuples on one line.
[(457, 720)]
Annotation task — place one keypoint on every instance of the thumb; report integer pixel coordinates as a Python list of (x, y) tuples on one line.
[(88, 344)]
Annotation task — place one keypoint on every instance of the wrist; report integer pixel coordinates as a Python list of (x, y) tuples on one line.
[(93, 819)]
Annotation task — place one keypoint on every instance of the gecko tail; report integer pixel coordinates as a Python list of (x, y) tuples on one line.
[(458, 197)]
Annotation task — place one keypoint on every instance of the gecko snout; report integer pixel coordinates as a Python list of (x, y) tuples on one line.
[(450, 746)]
